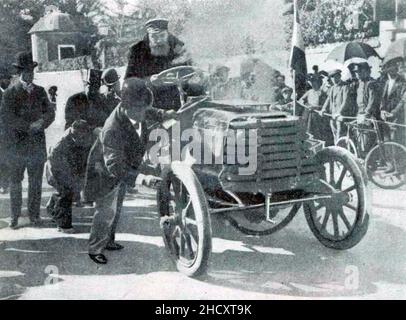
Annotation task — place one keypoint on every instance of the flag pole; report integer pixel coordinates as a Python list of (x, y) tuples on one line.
[(294, 91)]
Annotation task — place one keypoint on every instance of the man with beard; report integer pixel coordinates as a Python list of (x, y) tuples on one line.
[(158, 51)]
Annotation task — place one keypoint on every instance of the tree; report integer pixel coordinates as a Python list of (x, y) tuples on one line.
[(18, 17)]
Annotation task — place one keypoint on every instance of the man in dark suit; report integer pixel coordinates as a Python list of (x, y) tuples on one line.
[(338, 103), (65, 172), (88, 105), (391, 105), (158, 51), (25, 113), (113, 163), (111, 80), (368, 102), (4, 169)]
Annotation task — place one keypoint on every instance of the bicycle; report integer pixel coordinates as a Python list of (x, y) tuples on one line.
[(385, 163)]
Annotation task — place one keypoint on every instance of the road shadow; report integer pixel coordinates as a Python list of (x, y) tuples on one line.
[(291, 262), (300, 266)]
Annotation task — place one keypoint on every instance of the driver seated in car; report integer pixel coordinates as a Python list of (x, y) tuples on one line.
[(157, 52)]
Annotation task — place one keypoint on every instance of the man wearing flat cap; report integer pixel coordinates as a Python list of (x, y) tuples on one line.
[(368, 101), (222, 87), (25, 113), (338, 103), (158, 51)]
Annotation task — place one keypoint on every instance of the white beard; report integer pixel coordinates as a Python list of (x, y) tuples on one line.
[(160, 51)]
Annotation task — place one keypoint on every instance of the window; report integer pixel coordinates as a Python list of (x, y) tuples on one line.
[(66, 51)]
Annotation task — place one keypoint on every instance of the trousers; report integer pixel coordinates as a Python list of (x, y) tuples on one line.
[(35, 169), (107, 215)]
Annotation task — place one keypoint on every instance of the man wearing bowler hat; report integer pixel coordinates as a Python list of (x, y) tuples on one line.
[(26, 112), (88, 105), (113, 164), (158, 51), (111, 80)]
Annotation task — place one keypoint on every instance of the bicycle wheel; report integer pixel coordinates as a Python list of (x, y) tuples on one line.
[(347, 144), (386, 165)]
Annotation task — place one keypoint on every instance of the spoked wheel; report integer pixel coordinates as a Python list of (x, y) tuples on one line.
[(347, 144), (386, 165), (341, 221), (185, 220), (254, 222)]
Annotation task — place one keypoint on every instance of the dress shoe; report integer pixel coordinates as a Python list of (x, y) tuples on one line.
[(88, 204), (98, 258), (132, 191), (66, 230), (14, 224), (36, 222), (79, 204), (114, 246)]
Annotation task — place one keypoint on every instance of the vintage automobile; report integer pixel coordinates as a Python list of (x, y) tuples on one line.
[(292, 171)]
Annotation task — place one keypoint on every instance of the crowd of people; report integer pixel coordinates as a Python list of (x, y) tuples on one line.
[(361, 97), (339, 20), (97, 160), (105, 137)]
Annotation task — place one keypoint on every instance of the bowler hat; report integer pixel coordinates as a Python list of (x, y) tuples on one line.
[(156, 25), (110, 76), (24, 61), (94, 76)]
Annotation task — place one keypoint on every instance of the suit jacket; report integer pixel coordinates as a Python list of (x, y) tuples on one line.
[(68, 159), (117, 151), (369, 98), (79, 106), (19, 109), (391, 100), (142, 64), (340, 100)]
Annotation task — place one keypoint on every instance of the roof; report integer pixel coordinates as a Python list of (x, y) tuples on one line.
[(54, 21)]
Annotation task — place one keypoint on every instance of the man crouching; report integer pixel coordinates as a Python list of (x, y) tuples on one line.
[(113, 163)]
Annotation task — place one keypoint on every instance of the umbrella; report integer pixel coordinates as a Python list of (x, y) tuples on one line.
[(352, 50), (397, 50)]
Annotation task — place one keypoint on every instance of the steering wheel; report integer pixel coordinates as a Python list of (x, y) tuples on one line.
[(174, 76)]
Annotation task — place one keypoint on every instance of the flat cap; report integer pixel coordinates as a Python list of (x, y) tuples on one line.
[(363, 65), (156, 25), (219, 68), (287, 89)]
